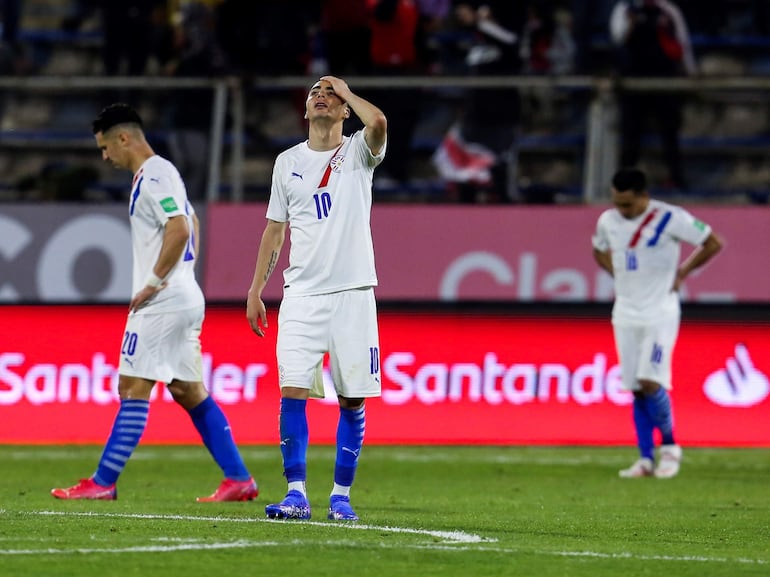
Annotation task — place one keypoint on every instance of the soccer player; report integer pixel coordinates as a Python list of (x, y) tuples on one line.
[(322, 190), (638, 243), (161, 341)]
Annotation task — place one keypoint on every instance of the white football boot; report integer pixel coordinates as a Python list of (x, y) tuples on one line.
[(668, 461), (642, 468)]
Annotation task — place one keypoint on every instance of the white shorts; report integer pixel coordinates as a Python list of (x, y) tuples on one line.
[(164, 346), (646, 353), (343, 324)]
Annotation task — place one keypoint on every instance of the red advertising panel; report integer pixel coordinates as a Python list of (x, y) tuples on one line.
[(448, 377), (474, 253)]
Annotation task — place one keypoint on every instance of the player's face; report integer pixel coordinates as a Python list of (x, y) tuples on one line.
[(109, 144), (628, 204), (323, 102)]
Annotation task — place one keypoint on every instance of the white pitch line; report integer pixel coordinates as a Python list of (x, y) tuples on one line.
[(458, 541), (446, 536), (144, 548), (242, 544), (596, 554)]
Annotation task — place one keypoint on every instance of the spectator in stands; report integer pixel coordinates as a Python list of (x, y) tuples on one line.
[(393, 50), (653, 41), (346, 36), (10, 14), (547, 46), (490, 116), (199, 54), (14, 58), (708, 17), (761, 13), (433, 17), (133, 30), (268, 37)]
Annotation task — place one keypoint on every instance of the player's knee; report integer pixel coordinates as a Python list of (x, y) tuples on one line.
[(649, 387), (296, 393), (349, 403), (134, 388), (186, 393)]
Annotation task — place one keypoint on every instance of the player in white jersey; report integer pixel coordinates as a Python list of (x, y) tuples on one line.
[(638, 243), (161, 341), (322, 190)]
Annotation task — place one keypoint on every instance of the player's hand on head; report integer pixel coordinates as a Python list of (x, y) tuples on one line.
[(339, 86)]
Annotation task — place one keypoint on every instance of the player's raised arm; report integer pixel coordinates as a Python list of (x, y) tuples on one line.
[(373, 118)]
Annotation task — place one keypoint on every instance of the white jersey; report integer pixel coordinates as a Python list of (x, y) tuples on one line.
[(645, 257), (157, 194), (326, 197)]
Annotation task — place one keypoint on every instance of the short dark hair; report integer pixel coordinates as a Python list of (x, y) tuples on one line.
[(629, 178), (113, 115)]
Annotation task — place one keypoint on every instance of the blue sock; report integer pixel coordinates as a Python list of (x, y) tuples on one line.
[(659, 408), (294, 439), (350, 439), (215, 431), (644, 428), (127, 429)]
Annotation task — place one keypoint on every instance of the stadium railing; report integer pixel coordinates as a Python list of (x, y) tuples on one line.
[(596, 146)]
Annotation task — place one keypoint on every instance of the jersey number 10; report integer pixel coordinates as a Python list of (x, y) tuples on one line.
[(323, 204)]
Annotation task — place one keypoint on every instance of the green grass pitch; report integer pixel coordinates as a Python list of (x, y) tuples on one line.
[(425, 511)]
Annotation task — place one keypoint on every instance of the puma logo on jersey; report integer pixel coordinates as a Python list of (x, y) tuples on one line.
[(297, 174)]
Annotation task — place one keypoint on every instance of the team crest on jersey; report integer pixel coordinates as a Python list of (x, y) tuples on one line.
[(336, 162)]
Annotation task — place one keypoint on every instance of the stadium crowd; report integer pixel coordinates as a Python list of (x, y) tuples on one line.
[(401, 38)]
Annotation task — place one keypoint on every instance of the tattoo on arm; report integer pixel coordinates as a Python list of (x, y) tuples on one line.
[(271, 265)]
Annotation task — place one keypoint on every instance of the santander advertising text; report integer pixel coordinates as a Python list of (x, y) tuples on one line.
[(482, 379)]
